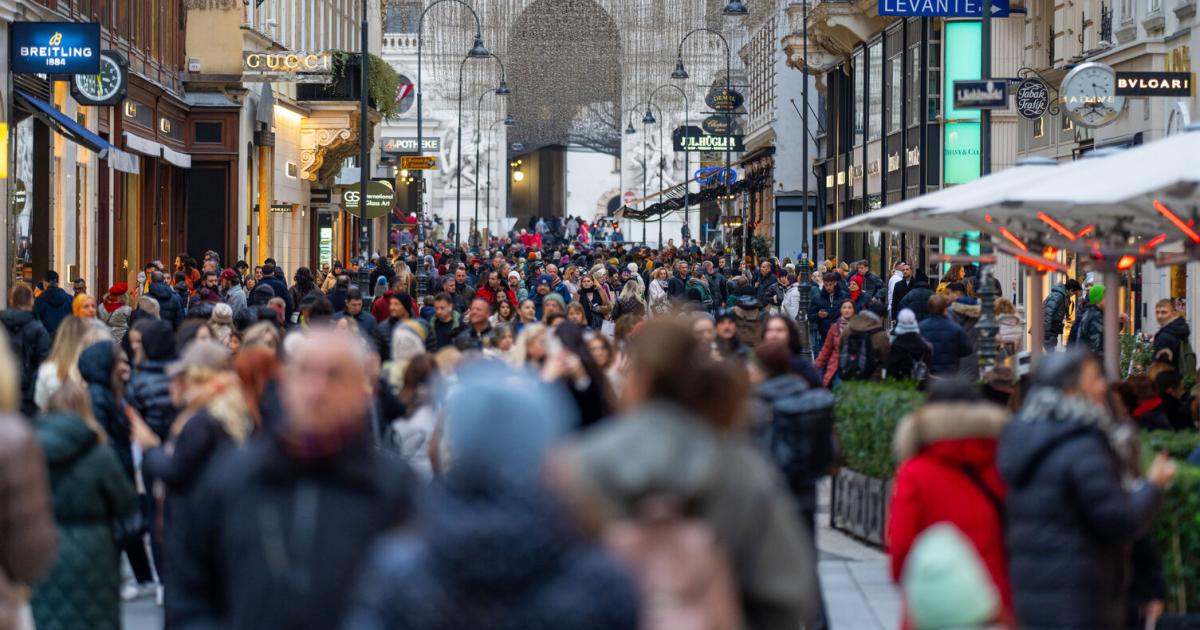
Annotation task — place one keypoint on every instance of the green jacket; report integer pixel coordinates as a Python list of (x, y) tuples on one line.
[(90, 491)]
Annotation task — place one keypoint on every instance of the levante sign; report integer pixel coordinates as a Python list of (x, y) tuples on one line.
[(54, 47), (941, 8)]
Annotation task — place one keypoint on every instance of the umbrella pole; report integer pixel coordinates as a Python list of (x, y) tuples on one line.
[(1036, 315), (1112, 333)]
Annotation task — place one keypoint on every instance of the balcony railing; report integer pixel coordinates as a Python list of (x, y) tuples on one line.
[(1106, 23), (344, 87), (405, 43)]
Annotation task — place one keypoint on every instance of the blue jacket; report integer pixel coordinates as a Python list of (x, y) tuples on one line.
[(822, 301), (281, 291), (170, 307), (949, 341), (51, 307)]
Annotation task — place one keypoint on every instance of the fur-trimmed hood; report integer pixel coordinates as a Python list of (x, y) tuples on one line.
[(937, 422)]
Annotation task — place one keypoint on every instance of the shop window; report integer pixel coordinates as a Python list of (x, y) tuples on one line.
[(208, 132), (914, 86), (934, 105), (860, 92), (875, 91), (896, 91), (1039, 127)]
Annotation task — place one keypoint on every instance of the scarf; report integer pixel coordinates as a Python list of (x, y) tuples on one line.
[(112, 306)]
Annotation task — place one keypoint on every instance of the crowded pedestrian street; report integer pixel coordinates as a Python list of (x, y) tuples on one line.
[(599, 314)]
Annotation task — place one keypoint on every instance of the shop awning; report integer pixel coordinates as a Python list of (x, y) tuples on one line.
[(142, 145), (117, 159), (178, 158)]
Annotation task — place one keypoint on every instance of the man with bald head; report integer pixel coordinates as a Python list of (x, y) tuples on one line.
[(277, 530)]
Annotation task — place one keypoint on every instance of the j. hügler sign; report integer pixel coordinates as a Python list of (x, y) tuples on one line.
[(1154, 84), (54, 47), (277, 66), (980, 94)]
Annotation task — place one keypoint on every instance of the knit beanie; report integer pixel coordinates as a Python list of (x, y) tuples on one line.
[(554, 297), (906, 322), (945, 583), (222, 314), (1096, 294)]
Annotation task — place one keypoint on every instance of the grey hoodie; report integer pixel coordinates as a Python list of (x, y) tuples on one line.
[(662, 448)]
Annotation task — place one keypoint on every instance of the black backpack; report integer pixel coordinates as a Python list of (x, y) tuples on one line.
[(857, 360)]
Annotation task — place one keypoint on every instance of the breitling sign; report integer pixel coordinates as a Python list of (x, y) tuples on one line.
[(299, 67)]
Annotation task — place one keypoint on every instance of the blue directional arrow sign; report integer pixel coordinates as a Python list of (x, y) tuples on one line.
[(941, 8)]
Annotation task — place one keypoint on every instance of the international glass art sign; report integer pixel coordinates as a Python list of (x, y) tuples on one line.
[(54, 47)]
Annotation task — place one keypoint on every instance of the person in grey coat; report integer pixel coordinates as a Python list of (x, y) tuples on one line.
[(679, 441)]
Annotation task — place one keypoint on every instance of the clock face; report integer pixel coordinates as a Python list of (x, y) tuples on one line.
[(104, 87), (1089, 97)]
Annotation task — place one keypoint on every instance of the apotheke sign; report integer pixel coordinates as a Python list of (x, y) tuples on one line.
[(297, 67), (54, 47), (1154, 84)]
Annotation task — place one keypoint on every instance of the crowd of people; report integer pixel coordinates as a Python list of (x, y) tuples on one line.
[(525, 433)]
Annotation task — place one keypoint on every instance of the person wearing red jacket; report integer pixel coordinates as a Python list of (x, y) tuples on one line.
[(948, 473), (492, 288)]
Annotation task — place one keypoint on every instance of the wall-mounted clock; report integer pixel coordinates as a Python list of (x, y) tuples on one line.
[(1089, 95), (105, 88)]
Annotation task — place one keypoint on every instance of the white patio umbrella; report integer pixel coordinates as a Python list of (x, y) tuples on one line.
[(942, 212)]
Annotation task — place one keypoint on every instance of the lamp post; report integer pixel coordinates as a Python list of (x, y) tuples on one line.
[(458, 141), (478, 51), (687, 164), (508, 122), (735, 7), (501, 90), (364, 157)]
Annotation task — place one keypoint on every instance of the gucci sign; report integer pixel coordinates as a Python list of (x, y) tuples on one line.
[(286, 66)]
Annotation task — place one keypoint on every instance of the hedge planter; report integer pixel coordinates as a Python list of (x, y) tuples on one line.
[(859, 505)]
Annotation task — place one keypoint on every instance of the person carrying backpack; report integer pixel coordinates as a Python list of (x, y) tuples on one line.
[(1172, 342), (909, 355), (698, 290), (864, 345)]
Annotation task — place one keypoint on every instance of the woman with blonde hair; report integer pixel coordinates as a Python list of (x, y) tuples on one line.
[(404, 278), (659, 302), (93, 499), (1011, 336), (70, 340), (214, 416), (263, 334), (530, 348)]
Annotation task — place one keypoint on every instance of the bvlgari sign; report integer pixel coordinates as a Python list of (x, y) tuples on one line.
[(1154, 84), (294, 67)]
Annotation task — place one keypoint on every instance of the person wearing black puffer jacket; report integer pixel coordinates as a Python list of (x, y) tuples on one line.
[(795, 426), (917, 298), (1071, 516), (950, 343), (170, 306), (149, 390), (1055, 308), (29, 340)]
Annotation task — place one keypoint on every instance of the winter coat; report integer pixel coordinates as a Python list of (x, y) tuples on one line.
[(279, 287), (149, 392), (1081, 310), (948, 474), (764, 289), (791, 302), (867, 322), (823, 301), (1071, 521), (966, 313), (91, 491), (1054, 315), (747, 315), (796, 430), (489, 294), (831, 352), (716, 286), (324, 512), (470, 339), (96, 366), (1011, 336), (592, 303), (170, 306), (117, 321), (738, 492), (235, 297), (447, 331), (30, 344), (950, 344), (410, 436), (1169, 342), (27, 536), (873, 286), (526, 569), (51, 307), (898, 288), (916, 300), (904, 353), (1091, 331)]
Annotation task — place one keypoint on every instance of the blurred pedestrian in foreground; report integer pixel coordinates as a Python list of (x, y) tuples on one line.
[(496, 549), (276, 530), (681, 440), (1071, 520), (948, 474)]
